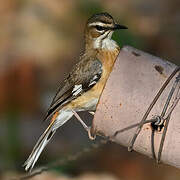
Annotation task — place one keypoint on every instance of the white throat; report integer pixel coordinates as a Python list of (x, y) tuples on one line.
[(105, 42)]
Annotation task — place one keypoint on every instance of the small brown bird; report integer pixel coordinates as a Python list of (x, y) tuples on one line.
[(82, 88)]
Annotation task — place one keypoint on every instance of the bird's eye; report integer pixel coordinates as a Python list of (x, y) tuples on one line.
[(99, 28)]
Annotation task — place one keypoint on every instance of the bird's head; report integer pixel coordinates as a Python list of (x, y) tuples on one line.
[(99, 29)]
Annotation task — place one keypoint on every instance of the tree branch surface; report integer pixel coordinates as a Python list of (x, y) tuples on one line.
[(134, 82)]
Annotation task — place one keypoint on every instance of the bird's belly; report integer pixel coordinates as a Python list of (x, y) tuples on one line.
[(87, 101), (88, 106)]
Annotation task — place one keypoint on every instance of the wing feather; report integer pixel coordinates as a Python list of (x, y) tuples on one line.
[(84, 75)]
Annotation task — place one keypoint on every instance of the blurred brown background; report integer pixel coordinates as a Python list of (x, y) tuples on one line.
[(40, 40)]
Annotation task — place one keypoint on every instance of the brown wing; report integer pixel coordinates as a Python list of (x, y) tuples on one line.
[(83, 77)]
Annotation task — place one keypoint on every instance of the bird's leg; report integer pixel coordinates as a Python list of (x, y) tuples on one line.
[(80, 120), (88, 129)]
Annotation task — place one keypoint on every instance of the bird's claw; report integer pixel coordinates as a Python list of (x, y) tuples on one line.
[(91, 137)]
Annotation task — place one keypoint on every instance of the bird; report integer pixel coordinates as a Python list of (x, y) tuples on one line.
[(82, 88)]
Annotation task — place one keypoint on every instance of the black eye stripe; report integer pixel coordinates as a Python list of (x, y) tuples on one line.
[(100, 28)]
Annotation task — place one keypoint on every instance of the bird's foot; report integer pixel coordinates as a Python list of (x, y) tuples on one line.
[(90, 134), (87, 128)]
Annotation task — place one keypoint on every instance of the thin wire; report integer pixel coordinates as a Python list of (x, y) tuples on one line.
[(169, 98), (177, 98), (167, 118), (133, 126), (152, 144), (162, 140), (156, 120), (130, 148)]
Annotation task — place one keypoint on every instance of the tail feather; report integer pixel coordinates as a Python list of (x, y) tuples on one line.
[(58, 120), (40, 145)]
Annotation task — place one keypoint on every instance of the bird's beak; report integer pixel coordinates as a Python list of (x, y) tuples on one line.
[(118, 26)]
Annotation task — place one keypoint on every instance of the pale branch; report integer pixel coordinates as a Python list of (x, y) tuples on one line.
[(141, 87)]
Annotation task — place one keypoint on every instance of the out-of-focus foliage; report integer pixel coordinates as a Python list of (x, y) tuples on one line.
[(40, 40)]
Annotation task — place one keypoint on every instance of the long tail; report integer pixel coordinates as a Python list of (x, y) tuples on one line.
[(56, 122)]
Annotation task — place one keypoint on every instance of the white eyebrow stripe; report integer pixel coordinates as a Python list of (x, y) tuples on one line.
[(97, 24)]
